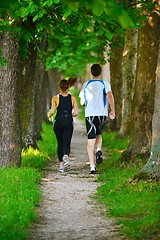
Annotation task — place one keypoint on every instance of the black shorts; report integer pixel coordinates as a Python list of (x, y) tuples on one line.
[(95, 125)]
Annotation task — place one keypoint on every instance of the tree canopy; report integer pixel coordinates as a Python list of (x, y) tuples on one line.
[(77, 32)]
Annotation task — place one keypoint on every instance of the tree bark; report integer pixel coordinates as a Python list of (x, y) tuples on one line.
[(129, 64), (10, 130), (32, 78), (152, 167), (40, 106), (116, 82), (27, 72), (143, 101)]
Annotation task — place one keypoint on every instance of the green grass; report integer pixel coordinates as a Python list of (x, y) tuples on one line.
[(48, 145), (19, 188), (38, 158), (18, 195), (135, 205)]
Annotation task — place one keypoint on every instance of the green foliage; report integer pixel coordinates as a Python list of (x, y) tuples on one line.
[(47, 148), (77, 31), (19, 194), (134, 204), (3, 62), (81, 108), (48, 144), (81, 39), (33, 158)]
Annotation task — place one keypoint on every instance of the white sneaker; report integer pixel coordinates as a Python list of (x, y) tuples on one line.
[(61, 169), (66, 160), (92, 170)]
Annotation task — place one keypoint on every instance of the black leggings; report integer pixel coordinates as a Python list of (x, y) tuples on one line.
[(63, 129)]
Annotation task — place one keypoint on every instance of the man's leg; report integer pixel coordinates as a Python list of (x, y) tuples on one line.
[(100, 124), (99, 142), (90, 151), (91, 133), (99, 157)]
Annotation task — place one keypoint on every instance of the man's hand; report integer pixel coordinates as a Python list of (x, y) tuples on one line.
[(112, 116)]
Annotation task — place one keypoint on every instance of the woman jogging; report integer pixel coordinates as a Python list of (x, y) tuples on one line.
[(67, 108)]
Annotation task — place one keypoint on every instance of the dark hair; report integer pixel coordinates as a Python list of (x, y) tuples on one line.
[(64, 84), (96, 70), (72, 81)]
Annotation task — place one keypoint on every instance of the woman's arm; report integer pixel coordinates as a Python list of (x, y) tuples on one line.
[(75, 107), (55, 101)]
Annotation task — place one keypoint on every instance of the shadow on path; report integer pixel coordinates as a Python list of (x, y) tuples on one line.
[(67, 210)]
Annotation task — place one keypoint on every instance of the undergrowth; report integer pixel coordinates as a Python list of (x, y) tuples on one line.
[(19, 188), (135, 205)]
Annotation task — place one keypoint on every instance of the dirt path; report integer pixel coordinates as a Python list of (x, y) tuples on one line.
[(67, 210)]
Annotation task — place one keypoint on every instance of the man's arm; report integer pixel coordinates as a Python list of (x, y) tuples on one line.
[(82, 101), (111, 103), (81, 95)]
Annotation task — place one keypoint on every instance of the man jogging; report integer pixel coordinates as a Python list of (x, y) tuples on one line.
[(94, 95)]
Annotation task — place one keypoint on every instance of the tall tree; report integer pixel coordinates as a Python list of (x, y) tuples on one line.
[(152, 167), (129, 64), (10, 130), (143, 100), (26, 85), (116, 53)]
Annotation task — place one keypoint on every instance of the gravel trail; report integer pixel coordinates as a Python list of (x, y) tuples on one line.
[(68, 210)]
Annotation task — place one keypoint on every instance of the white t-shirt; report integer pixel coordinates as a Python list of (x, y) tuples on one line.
[(93, 93)]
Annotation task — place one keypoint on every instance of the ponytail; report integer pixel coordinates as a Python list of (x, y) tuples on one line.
[(71, 81)]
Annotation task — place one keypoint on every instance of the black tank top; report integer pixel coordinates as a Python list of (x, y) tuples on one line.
[(64, 108)]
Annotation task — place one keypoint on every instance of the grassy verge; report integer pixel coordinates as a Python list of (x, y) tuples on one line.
[(19, 188), (135, 205)]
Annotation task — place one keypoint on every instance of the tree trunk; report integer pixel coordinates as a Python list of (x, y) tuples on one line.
[(116, 82), (40, 91), (143, 101), (152, 167), (26, 84), (10, 130), (129, 64), (31, 77), (54, 79), (40, 108), (53, 89)]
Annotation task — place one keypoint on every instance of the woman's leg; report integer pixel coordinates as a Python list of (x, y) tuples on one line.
[(67, 137), (59, 136)]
